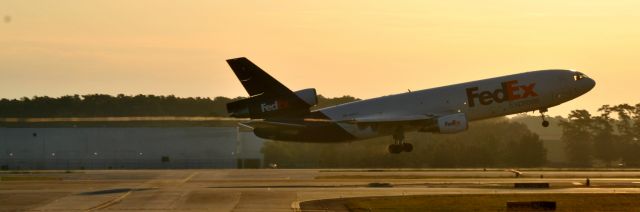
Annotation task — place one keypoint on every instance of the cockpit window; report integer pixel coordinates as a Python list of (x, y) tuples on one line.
[(578, 76)]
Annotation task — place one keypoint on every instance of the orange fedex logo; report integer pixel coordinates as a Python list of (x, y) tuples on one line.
[(276, 105), (452, 123), (509, 91)]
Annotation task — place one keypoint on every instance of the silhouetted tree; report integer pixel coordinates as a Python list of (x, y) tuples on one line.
[(604, 140), (628, 128), (578, 138), (531, 151), (327, 102), (102, 105)]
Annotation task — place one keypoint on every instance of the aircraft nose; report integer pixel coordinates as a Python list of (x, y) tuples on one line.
[(590, 83)]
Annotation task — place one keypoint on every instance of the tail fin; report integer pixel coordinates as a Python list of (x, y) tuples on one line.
[(254, 79), (268, 97)]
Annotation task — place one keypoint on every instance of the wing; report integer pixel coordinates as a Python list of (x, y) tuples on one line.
[(390, 122), (271, 124), (378, 122), (389, 118)]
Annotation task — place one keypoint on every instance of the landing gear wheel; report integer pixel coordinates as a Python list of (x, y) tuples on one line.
[(407, 147), (545, 123), (398, 141), (395, 148)]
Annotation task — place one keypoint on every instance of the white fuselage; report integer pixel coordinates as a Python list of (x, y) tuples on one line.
[(477, 99)]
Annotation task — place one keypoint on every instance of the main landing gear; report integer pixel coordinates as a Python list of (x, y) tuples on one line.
[(545, 123), (399, 145)]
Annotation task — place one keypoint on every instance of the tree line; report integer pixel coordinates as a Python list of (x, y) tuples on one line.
[(103, 105), (608, 139)]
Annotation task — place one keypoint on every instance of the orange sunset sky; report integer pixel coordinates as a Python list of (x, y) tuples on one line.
[(359, 48)]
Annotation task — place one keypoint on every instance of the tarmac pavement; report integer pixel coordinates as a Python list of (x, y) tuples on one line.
[(272, 189)]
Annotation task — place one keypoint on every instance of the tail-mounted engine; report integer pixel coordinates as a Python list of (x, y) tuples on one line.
[(265, 106)]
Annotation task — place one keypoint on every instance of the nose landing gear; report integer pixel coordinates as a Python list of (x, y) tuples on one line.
[(545, 123), (399, 145)]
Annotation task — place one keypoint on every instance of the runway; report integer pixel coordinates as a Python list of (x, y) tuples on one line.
[(274, 189)]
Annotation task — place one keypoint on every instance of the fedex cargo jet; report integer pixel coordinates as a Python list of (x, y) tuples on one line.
[(278, 113)]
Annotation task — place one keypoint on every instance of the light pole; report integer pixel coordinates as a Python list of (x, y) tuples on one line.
[(140, 159), (44, 150), (53, 159), (11, 160), (95, 154), (239, 148)]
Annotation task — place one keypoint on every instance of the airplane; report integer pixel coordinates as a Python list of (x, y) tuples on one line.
[(277, 113)]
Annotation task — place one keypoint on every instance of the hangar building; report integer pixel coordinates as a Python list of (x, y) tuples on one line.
[(128, 148)]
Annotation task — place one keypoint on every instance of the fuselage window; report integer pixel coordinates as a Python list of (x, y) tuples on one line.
[(578, 76)]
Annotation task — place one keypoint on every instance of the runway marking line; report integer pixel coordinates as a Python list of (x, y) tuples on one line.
[(295, 206), (189, 177), (110, 202), (120, 198)]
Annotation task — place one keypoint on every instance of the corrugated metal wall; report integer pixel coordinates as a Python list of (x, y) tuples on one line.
[(125, 148)]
